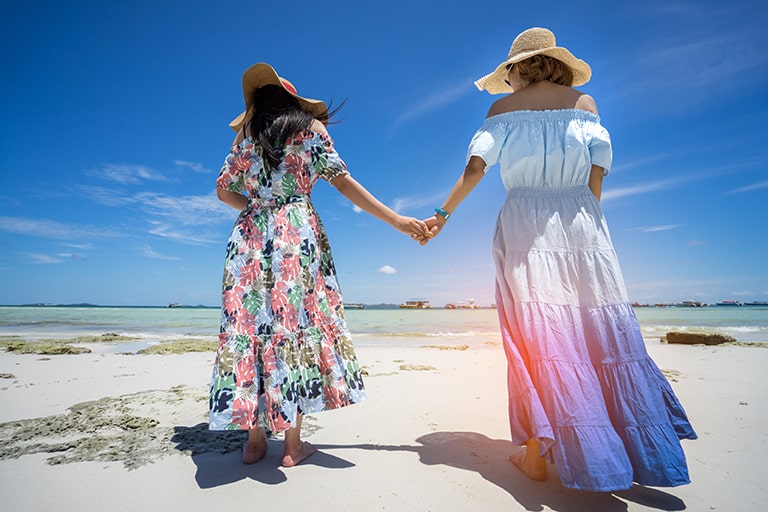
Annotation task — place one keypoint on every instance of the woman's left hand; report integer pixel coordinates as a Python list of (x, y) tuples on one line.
[(412, 227), (434, 225)]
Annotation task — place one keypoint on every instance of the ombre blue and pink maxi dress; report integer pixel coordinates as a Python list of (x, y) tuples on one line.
[(580, 380)]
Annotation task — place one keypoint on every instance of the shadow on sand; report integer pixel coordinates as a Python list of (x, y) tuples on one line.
[(489, 458), (217, 456)]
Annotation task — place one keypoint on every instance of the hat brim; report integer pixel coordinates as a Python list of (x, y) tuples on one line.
[(494, 82), (262, 74)]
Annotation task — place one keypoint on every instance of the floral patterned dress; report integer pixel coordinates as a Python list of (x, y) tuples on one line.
[(284, 347)]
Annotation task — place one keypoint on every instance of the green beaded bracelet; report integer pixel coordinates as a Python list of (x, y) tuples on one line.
[(442, 213)]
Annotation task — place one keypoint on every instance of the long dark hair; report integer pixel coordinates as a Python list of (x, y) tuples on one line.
[(277, 116)]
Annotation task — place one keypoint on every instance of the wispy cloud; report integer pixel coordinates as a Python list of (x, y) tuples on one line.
[(193, 166), (641, 188), (127, 174), (408, 203), (654, 229), (180, 234), (386, 269), (715, 172), (432, 102), (45, 228), (641, 162), (71, 256), (42, 259), (750, 188), (701, 62), (169, 217), (82, 247), (150, 253), (186, 210), (104, 195), (688, 64)]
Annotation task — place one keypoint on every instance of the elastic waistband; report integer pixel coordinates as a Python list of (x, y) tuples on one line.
[(277, 202), (578, 190)]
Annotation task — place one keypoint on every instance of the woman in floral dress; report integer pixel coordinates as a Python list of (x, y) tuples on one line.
[(284, 347), (583, 392)]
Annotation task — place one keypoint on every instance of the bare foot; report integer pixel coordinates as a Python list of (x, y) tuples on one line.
[(535, 469), (254, 452), (292, 459)]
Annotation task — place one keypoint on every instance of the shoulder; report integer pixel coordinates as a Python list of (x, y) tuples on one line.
[(502, 105), (586, 102), (318, 127)]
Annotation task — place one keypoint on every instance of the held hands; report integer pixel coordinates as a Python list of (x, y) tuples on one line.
[(413, 227), (434, 224), (420, 231)]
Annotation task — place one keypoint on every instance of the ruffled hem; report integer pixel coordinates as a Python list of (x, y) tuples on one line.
[(591, 458), (581, 383), (266, 380)]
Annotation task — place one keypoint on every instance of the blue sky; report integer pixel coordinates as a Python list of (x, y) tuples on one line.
[(114, 125)]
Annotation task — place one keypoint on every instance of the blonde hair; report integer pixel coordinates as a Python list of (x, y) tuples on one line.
[(544, 67)]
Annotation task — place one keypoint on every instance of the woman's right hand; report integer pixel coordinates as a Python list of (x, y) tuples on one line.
[(434, 225), (412, 227)]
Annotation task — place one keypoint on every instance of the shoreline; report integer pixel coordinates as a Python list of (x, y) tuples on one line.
[(396, 326), (115, 343), (433, 435)]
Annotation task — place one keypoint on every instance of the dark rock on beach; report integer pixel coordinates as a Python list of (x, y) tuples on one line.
[(698, 338)]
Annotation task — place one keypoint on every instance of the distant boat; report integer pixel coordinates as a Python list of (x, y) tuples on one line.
[(729, 303), (757, 303), (174, 305), (466, 304), (353, 305), (691, 304), (416, 304)]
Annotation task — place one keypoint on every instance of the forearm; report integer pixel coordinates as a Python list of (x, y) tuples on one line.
[(233, 199), (596, 181), (473, 173), (363, 199)]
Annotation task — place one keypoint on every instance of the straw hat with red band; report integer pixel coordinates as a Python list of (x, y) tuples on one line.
[(534, 41), (262, 74)]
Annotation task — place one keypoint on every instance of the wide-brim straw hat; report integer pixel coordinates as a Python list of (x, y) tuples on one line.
[(261, 74), (534, 41)]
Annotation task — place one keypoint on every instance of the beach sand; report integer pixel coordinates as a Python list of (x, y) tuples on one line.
[(128, 432)]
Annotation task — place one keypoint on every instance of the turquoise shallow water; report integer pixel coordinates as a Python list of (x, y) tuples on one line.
[(368, 326)]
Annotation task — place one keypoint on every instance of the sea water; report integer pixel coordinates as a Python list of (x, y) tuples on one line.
[(391, 326)]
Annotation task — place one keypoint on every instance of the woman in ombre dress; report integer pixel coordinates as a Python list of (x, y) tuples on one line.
[(583, 392)]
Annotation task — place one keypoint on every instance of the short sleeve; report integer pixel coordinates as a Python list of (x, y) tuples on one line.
[(232, 174), (600, 147), (487, 143), (326, 162)]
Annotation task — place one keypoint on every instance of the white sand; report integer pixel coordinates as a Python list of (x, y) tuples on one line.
[(426, 439)]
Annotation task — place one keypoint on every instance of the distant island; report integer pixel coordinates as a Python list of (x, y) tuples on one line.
[(89, 305), (379, 306)]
